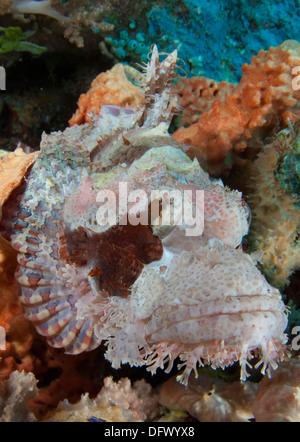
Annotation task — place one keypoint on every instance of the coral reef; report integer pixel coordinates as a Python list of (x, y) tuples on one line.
[(278, 399), (196, 95), (121, 86), (232, 129), (19, 333), (215, 38), (209, 399), (14, 167), (212, 399), (274, 199), (24, 349), (15, 395), (128, 44), (111, 87), (73, 15), (60, 376), (83, 282), (116, 402), (155, 292)]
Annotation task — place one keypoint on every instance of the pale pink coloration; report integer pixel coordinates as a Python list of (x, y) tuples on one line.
[(212, 307), (150, 293), (224, 214), (85, 197)]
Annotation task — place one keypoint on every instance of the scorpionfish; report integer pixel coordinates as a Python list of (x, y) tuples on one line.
[(148, 291)]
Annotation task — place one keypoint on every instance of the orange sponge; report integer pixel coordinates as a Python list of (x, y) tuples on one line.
[(231, 130)]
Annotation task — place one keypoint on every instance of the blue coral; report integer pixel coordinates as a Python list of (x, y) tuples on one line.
[(213, 38), (219, 34), (129, 44)]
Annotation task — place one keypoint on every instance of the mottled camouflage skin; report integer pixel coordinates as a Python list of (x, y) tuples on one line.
[(150, 293)]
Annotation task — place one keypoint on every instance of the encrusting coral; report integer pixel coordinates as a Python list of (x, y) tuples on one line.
[(15, 395), (233, 128), (131, 282), (116, 402), (274, 198)]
